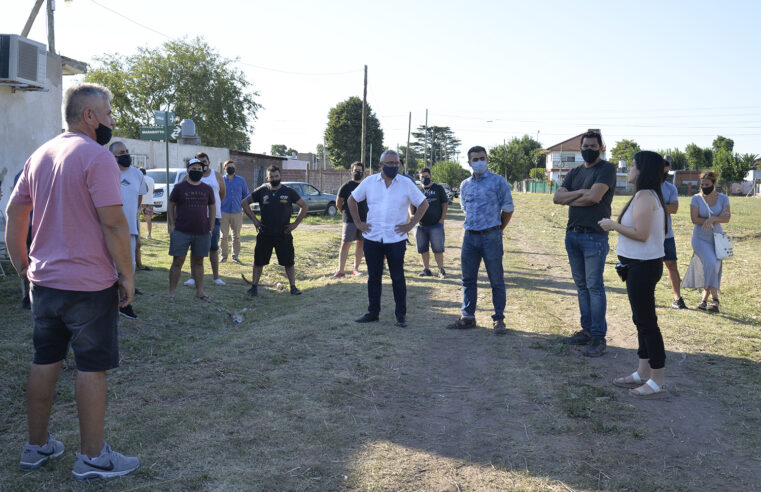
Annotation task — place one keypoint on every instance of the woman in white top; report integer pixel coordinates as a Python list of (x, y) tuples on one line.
[(642, 229)]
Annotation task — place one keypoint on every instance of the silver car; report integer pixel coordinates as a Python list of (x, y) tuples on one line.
[(317, 201)]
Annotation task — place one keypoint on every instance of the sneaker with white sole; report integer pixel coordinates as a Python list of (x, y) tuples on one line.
[(219, 281), (190, 282), (34, 456), (108, 464)]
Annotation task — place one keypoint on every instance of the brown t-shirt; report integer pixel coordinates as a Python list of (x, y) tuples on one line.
[(192, 207)]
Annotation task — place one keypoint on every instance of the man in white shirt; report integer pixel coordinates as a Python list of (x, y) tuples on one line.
[(388, 196)]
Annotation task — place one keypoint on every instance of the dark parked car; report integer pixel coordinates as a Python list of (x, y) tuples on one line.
[(450, 195), (317, 201)]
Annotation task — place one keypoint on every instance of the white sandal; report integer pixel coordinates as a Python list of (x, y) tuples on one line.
[(658, 391), (636, 381)]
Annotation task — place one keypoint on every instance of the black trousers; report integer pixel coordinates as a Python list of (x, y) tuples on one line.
[(394, 252), (640, 287)]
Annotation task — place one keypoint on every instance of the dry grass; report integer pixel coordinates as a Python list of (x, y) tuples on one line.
[(300, 397)]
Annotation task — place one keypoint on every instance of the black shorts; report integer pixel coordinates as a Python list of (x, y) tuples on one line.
[(88, 321), (283, 245)]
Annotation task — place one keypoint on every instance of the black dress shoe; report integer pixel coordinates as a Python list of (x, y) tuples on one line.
[(401, 323), (138, 292), (367, 318)]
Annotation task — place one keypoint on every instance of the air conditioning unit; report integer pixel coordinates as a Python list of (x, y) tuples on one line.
[(22, 61)]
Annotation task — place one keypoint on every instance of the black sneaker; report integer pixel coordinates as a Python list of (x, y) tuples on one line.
[(127, 312), (138, 292), (26, 303), (401, 322), (236, 260), (426, 273), (367, 318), (679, 304), (252, 291), (581, 337), (442, 273), (295, 291), (595, 348)]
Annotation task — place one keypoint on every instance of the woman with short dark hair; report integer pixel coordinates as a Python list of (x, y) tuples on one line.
[(642, 229), (708, 210)]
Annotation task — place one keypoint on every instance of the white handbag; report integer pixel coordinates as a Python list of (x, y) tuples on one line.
[(721, 244)]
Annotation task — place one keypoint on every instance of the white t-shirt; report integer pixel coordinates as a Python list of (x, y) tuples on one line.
[(132, 185), (150, 184), (387, 206), (211, 180)]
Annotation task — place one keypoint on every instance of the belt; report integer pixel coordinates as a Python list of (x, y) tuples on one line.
[(582, 229), (484, 231)]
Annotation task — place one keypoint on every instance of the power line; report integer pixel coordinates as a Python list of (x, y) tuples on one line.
[(234, 61)]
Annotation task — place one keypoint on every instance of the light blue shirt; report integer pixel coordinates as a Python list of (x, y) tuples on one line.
[(237, 190), (483, 199), (670, 194)]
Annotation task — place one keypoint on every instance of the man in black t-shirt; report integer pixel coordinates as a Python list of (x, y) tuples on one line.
[(275, 205), (588, 191), (349, 232), (431, 227)]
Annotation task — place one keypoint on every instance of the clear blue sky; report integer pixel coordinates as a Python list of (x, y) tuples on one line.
[(661, 73)]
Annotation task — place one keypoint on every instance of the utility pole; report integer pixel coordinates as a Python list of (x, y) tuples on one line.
[(364, 118), (407, 149), (425, 150), (51, 31)]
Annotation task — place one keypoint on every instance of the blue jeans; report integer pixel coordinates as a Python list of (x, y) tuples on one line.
[(586, 254), (394, 252), (489, 247)]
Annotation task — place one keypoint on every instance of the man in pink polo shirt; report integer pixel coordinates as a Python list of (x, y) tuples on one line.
[(75, 290)]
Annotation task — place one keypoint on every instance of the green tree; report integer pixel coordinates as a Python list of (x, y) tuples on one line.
[(414, 163), (515, 159), (343, 134), (188, 78), (732, 168), (449, 172), (678, 158), (698, 158), (537, 173), (624, 150), (437, 144), (281, 150), (723, 143)]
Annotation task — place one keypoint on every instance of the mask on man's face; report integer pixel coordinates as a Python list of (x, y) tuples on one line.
[(390, 171), (479, 167), (231, 170), (358, 175), (274, 183), (590, 155), (124, 160), (103, 134), (426, 181), (195, 175)]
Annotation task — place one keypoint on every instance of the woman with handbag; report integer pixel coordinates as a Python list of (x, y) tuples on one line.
[(708, 210), (642, 230)]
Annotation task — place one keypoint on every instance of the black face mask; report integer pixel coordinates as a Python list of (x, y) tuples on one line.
[(590, 155), (103, 134), (707, 190), (124, 160), (195, 175), (275, 183), (358, 175), (426, 181), (230, 171)]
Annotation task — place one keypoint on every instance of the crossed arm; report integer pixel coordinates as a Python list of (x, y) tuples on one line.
[(581, 198)]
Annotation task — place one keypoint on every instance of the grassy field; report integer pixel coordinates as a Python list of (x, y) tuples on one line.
[(299, 397)]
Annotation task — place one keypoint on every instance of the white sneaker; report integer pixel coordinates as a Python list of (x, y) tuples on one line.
[(219, 281), (190, 283)]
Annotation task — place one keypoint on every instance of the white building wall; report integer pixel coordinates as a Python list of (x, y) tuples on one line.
[(28, 119)]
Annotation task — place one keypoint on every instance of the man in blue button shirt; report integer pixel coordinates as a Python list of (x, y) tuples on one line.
[(485, 197), (237, 190)]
